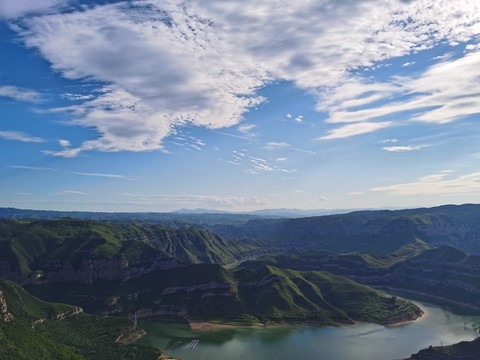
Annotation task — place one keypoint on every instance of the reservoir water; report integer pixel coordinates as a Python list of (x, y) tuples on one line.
[(357, 342)]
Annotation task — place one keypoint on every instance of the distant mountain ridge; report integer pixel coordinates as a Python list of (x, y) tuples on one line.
[(380, 231)]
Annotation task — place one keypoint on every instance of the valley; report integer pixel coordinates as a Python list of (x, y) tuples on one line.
[(321, 271)]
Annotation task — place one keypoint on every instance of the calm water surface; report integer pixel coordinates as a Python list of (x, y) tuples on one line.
[(357, 342)]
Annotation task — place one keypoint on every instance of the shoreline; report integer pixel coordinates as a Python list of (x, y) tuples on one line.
[(203, 326)]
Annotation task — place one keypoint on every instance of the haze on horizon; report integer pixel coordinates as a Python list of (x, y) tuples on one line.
[(233, 105)]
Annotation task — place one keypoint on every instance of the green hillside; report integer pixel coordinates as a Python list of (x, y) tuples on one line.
[(212, 293), (34, 247), (445, 274), (34, 329)]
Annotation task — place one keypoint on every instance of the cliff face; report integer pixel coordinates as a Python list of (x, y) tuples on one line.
[(5, 316), (90, 270), (69, 250)]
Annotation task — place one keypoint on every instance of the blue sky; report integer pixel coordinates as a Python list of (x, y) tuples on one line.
[(238, 106)]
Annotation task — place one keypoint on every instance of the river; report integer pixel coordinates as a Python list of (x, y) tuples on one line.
[(356, 342)]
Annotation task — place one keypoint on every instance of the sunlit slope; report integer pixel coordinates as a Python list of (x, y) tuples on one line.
[(441, 274), (34, 246), (212, 293)]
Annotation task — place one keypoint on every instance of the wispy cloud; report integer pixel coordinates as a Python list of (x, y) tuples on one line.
[(212, 57), (188, 142), (19, 136), (284, 145), (238, 136), (193, 201), (115, 176), (70, 192), (19, 94), (355, 129), (443, 183), (64, 143), (402, 148), (16, 8), (254, 164), (77, 97), (384, 141), (446, 92), (246, 128), (323, 198), (32, 168)]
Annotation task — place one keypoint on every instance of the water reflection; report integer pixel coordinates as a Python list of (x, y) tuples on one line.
[(362, 342)]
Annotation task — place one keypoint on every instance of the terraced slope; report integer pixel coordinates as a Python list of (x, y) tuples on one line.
[(212, 293)]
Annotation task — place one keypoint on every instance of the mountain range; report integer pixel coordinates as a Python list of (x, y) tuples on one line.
[(241, 268)]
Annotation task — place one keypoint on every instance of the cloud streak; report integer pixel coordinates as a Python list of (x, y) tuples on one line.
[(32, 168), (19, 136), (209, 201), (169, 64), (19, 94), (114, 176), (402, 148), (437, 184), (446, 92)]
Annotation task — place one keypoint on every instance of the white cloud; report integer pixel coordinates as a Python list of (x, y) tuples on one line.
[(355, 129), (115, 176), (71, 192), (202, 201), (64, 143), (322, 198), (277, 145), (172, 63), (471, 47), (299, 118), (245, 128), (32, 168), (384, 141), (16, 8), (19, 94), (255, 165), (284, 145), (19, 136), (446, 92), (77, 97), (402, 148), (408, 63), (442, 183), (289, 116)]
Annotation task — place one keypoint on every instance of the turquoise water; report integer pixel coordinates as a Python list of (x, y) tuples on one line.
[(356, 342)]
